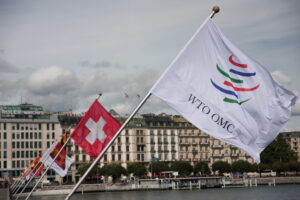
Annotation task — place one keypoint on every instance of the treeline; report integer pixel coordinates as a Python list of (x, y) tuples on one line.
[(277, 157)]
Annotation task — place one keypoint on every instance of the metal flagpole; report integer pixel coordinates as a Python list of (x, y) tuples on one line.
[(215, 10), (36, 171), (15, 183), (25, 186), (31, 171), (108, 145), (48, 168), (16, 186)]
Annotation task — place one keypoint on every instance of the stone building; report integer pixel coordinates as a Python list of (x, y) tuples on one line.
[(26, 131)]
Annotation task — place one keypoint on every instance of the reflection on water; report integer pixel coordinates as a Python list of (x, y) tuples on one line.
[(279, 192)]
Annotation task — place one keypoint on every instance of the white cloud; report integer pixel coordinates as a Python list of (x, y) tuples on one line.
[(281, 77), (51, 80)]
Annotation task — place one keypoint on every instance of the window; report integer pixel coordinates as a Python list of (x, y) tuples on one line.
[(4, 134), (127, 157), (22, 135), (48, 125), (40, 126), (53, 135)]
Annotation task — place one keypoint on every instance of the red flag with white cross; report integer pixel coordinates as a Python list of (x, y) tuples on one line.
[(95, 130)]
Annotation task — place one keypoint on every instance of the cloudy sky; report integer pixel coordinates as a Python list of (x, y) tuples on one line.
[(61, 53)]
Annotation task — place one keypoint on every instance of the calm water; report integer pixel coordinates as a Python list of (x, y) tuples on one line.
[(279, 192)]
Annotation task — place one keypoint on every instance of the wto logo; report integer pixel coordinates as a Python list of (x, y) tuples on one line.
[(234, 82)]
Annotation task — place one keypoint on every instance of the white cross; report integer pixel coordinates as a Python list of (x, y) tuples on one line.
[(96, 130)]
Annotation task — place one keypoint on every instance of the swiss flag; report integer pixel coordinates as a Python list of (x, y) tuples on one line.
[(95, 129)]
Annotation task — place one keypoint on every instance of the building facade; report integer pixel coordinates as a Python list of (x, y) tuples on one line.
[(26, 131), (161, 137), (293, 139)]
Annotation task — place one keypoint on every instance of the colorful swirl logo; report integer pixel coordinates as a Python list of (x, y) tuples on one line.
[(231, 82)]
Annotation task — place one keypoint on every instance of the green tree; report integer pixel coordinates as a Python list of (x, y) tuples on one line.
[(137, 169), (184, 168), (158, 167), (202, 168), (278, 151), (242, 166), (114, 170), (280, 167), (83, 168), (294, 166), (221, 167)]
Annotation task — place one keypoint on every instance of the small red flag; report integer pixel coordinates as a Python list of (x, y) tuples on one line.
[(35, 168), (95, 129), (61, 158)]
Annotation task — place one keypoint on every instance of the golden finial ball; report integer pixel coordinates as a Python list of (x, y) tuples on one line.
[(216, 9)]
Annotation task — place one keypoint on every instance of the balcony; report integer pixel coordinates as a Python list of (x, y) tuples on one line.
[(204, 143), (218, 155), (217, 146), (205, 159)]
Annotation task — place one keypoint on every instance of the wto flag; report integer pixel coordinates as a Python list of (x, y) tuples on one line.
[(225, 93)]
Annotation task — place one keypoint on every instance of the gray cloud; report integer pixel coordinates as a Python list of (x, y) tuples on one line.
[(6, 67), (99, 64)]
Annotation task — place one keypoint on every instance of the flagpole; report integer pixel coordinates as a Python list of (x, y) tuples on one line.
[(48, 167), (34, 174), (108, 145), (215, 10), (30, 179), (17, 185), (25, 186), (17, 181)]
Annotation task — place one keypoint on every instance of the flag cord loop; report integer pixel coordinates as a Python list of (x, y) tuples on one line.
[(108, 145)]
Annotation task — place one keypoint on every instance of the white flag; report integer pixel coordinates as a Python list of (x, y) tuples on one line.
[(223, 92), (47, 160)]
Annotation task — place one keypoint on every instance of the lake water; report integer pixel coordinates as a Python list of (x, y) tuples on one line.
[(279, 192)]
